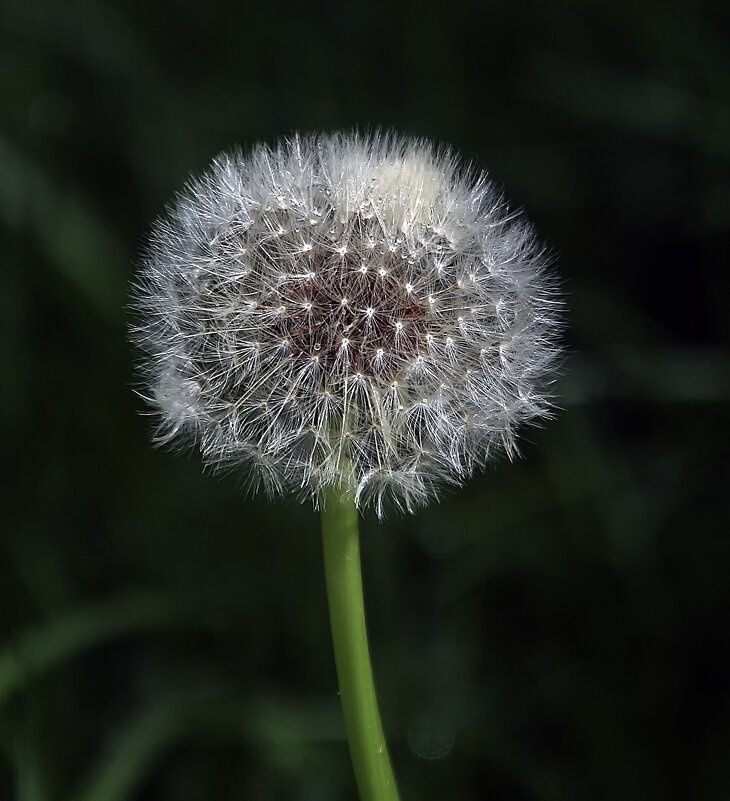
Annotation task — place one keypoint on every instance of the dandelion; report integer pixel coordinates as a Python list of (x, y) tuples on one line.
[(357, 320), (346, 312)]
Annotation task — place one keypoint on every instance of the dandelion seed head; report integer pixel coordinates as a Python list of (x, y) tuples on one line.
[(346, 310)]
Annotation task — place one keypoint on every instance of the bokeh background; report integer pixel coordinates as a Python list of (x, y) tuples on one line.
[(558, 630)]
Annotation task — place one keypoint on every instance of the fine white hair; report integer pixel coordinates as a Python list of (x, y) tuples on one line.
[(349, 311)]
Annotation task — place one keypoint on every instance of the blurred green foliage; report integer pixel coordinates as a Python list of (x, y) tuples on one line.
[(555, 631)]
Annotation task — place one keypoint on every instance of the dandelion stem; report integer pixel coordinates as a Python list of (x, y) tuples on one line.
[(368, 750)]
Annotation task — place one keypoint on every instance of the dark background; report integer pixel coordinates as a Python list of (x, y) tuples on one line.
[(557, 630)]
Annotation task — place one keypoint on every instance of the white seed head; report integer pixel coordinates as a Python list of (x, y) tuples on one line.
[(350, 311)]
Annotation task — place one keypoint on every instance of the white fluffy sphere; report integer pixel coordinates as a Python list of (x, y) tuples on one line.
[(344, 310)]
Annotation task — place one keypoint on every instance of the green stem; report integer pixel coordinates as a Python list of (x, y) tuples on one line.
[(368, 750)]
